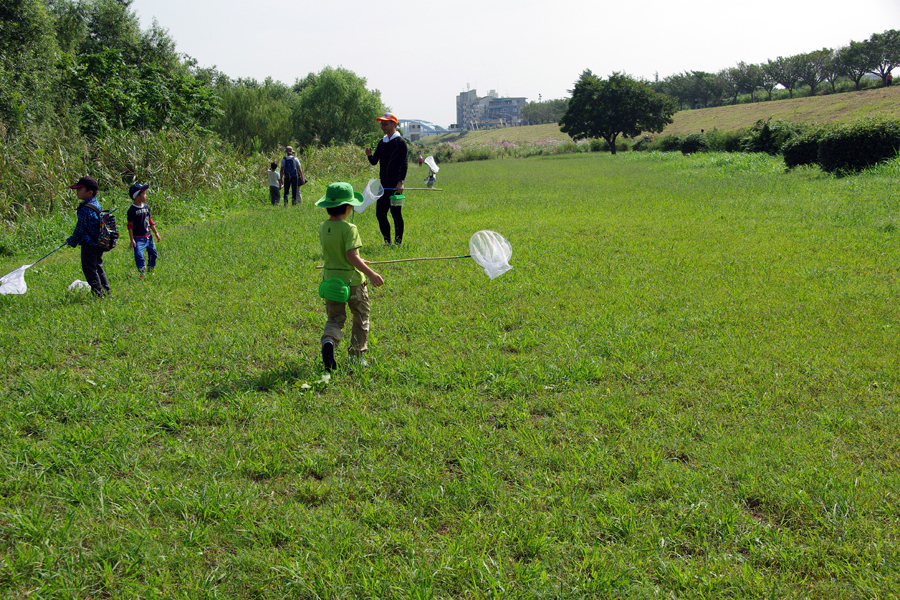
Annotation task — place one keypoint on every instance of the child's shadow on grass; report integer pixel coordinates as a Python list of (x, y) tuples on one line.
[(282, 379)]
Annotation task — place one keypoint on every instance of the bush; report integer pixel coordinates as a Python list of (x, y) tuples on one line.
[(804, 149), (670, 143), (726, 141), (767, 136), (695, 142), (859, 145)]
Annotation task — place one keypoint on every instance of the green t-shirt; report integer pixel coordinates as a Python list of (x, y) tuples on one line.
[(336, 238)]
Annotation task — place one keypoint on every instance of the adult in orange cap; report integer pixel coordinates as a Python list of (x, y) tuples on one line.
[(393, 155)]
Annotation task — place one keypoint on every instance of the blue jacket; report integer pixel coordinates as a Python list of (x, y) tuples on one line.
[(87, 228)]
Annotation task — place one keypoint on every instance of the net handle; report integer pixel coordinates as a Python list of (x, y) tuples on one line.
[(400, 260)]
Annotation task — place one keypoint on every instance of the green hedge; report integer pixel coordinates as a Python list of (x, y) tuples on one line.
[(695, 142), (804, 149), (859, 145)]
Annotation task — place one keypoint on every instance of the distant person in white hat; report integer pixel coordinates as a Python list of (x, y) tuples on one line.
[(393, 155)]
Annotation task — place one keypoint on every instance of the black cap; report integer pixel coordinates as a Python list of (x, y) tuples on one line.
[(86, 182)]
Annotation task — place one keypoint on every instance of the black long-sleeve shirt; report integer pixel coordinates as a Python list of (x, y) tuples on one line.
[(394, 157)]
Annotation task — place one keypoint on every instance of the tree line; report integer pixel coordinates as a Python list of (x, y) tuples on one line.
[(877, 56), (86, 67)]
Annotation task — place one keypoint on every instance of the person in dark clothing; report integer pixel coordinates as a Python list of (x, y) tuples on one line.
[(393, 155), (87, 233)]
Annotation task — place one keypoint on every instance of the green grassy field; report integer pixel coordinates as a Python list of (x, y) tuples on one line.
[(686, 387)]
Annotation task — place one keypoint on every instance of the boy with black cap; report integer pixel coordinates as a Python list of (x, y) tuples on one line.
[(340, 248), (140, 226), (86, 234)]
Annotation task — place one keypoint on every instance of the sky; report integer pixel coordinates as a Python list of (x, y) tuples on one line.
[(420, 54)]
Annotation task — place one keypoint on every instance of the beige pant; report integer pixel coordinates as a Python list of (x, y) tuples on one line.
[(337, 316)]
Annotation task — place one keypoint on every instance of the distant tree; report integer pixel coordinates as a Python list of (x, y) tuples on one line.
[(749, 77), (884, 53), (783, 70), (767, 82), (335, 107), (618, 105), (855, 60), (27, 64), (256, 117), (730, 80), (832, 70), (811, 68), (546, 111)]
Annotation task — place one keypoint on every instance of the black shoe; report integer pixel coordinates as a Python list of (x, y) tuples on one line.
[(328, 356), (397, 241)]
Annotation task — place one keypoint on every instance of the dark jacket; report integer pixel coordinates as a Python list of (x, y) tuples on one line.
[(394, 158), (87, 228)]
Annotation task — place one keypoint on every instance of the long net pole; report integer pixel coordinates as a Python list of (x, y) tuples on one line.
[(400, 260)]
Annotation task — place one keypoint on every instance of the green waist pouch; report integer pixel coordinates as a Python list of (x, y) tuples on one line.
[(335, 290)]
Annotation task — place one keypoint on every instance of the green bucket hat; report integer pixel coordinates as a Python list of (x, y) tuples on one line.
[(340, 193)]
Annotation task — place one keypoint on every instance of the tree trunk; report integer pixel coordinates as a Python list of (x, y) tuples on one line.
[(612, 144)]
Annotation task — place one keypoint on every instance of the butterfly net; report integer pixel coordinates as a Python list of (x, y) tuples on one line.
[(491, 251), (372, 192), (14, 283), (431, 164)]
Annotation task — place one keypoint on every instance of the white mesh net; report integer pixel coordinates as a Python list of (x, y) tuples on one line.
[(372, 192), (431, 164), (492, 251), (14, 283), (79, 285)]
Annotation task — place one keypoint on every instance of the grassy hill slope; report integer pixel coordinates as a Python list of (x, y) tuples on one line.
[(818, 109)]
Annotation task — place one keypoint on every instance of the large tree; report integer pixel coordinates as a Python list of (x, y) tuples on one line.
[(335, 107), (884, 51), (812, 68), (784, 71), (618, 105), (855, 60)]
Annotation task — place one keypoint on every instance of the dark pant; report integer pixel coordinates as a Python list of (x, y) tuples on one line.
[(382, 206), (292, 183), (273, 194), (92, 267)]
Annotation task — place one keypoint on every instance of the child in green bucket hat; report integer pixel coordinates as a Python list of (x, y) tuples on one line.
[(340, 248)]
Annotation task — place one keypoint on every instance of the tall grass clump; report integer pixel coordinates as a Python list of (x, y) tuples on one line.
[(36, 171)]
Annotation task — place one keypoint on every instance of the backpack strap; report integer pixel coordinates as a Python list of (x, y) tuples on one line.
[(90, 206)]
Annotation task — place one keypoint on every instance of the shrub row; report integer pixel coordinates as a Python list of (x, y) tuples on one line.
[(833, 147)]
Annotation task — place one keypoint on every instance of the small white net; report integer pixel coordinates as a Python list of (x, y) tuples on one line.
[(372, 192), (492, 251), (79, 285), (14, 283), (431, 164)]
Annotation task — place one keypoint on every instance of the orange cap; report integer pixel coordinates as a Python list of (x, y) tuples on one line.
[(388, 117)]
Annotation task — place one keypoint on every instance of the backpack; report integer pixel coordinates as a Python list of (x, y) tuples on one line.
[(109, 233), (290, 167)]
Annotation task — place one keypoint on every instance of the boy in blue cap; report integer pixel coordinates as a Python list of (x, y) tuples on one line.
[(87, 234), (140, 227), (340, 248)]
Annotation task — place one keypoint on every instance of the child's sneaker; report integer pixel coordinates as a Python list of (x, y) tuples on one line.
[(328, 355)]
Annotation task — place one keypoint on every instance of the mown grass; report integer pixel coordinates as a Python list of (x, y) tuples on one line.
[(844, 108), (686, 387)]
